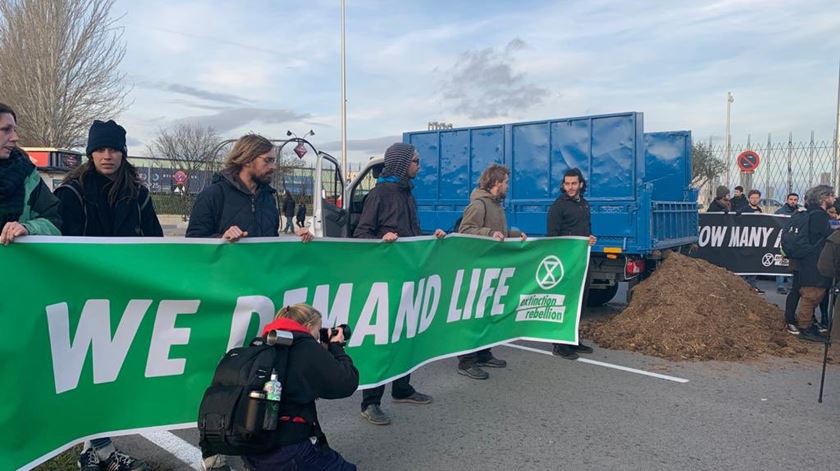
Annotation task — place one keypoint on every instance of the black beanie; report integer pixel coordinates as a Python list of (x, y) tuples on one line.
[(397, 159), (106, 134)]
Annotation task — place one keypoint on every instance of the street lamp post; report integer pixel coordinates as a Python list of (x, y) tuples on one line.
[(729, 100), (343, 96)]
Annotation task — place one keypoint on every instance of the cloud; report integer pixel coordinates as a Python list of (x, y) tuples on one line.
[(376, 145), (231, 118), (483, 84), (179, 88)]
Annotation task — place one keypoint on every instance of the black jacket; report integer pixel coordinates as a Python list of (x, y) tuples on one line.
[(313, 372), (289, 207), (739, 202), (86, 211), (389, 207), (717, 206), (569, 217), (818, 231), (227, 202)]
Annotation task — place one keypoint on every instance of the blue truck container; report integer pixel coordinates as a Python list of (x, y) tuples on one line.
[(638, 184)]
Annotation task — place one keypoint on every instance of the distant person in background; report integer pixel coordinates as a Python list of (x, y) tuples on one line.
[(790, 207), (752, 207), (289, 212), (721, 203), (301, 214), (739, 201)]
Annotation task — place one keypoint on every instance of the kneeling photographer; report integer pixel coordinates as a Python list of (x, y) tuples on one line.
[(312, 372), (261, 403)]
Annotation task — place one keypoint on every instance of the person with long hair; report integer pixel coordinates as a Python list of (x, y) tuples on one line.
[(26, 205), (104, 197), (240, 201)]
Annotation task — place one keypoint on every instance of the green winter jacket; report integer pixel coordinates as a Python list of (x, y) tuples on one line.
[(41, 209)]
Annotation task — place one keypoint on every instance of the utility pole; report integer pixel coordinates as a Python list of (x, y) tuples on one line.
[(836, 177), (729, 100), (343, 96)]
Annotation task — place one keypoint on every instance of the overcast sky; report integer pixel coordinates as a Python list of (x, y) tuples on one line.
[(269, 66)]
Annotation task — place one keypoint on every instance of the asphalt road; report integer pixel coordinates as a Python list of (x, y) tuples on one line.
[(544, 412)]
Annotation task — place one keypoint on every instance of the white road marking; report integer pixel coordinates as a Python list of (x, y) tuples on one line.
[(175, 445), (606, 365)]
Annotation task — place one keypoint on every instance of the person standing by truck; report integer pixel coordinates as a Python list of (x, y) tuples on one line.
[(485, 216), (390, 212), (570, 216)]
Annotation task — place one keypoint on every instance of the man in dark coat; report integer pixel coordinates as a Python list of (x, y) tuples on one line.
[(739, 201), (569, 215), (240, 202), (721, 203), (790, 207), (390, 212), (809, 286), (289, 212)]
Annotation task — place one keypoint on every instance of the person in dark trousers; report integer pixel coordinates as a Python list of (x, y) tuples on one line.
[(485, 216), (289, 212), (390, 212), (569, 215), (809, 286), (739, 201), (240, 201), (301, 214), (104, 197), (754, 197), (721, 203), (26, 205), (790, 207), (314, 371)]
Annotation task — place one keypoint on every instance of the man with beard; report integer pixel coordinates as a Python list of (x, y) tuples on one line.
[(485, 216), (390, 212), (790, 207), (240, 202), (569, 215), (26, 205)]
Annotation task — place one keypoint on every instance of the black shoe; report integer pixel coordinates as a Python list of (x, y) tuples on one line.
[(492, 362), (581, 348), (782, 290), (565, 351), (821, 328), (811, 334), (416, 398), (473, 372)]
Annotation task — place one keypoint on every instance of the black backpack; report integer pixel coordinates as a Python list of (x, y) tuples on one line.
[(795, 238), (461, 217), (223, 412)]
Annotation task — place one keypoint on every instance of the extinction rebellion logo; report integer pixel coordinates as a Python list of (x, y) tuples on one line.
[(544, 307)]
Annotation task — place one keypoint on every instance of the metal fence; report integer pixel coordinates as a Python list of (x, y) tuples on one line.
[(786, 166)]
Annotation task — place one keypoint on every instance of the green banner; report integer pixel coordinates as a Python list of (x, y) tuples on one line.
[(108, 336)]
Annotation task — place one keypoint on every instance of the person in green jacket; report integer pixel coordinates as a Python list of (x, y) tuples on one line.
[(26, 205)]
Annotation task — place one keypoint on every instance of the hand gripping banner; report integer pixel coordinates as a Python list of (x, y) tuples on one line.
[(106, 336)]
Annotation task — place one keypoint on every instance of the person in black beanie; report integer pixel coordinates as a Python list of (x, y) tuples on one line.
[(26, 205), (104, 197), (390, 212), (721, 202)]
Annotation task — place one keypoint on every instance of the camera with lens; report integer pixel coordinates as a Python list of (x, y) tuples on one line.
[(325, 333)]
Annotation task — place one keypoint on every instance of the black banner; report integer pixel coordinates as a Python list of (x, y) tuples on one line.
[(746, 244)]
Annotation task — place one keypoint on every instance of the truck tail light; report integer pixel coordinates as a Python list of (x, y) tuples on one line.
[(634, 268)]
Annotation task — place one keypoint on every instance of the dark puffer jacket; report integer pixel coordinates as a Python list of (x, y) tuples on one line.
[(227, 202), (389, 207), (818, 231), (569, 217), (86, 210)]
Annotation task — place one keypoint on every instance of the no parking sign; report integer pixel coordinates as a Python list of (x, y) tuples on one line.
[(748, 161)]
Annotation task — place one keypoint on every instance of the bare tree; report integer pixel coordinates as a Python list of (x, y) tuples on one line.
[(192, 149), (59, 63)]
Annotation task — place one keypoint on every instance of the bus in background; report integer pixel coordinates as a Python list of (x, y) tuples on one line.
[(53, 164)]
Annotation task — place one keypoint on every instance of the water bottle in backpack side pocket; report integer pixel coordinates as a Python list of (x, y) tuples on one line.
[(273, 389)]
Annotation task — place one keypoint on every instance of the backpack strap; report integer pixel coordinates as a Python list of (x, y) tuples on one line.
[(71, 185)]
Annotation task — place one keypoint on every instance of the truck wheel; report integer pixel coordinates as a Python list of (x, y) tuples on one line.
[(599, 297)]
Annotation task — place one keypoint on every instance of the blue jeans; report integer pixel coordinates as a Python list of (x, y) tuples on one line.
[(780, 282), (299, 457), (289, 225)]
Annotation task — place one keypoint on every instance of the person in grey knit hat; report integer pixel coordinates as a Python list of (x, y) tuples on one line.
[(721, 202), (390, 212)]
